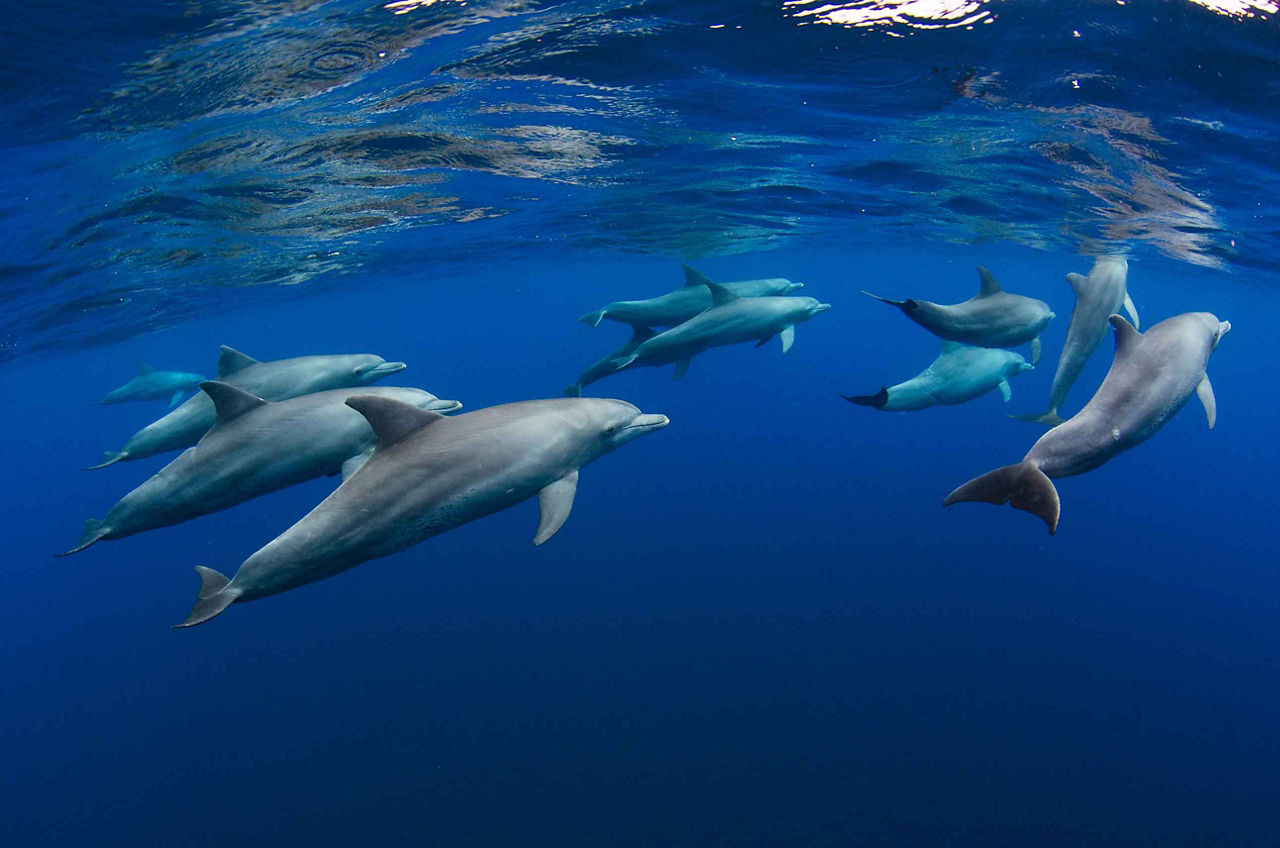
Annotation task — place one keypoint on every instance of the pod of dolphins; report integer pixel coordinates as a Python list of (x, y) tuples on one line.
[(410, 471)]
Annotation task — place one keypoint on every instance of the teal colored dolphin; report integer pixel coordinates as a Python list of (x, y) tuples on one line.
[(960, 373), (151, 384)]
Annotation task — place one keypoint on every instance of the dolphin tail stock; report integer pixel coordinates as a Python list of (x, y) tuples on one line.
[(112, 457), (214, 597), (1048, 419), (92, 532), (877, 400), (1024, 486), (592, 319)]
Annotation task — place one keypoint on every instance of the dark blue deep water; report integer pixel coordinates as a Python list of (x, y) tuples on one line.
[(758, 627)]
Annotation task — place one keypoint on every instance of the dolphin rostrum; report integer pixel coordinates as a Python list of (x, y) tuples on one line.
[(991, 318), (730, 320), (254, 448), (605, 366), (279, 379), (429, 474), (151, 384), (679, 306), (960, 373), (1152, 376), (1098, 296)]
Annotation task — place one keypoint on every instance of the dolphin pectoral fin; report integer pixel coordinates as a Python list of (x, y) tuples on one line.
[(1132, 310), (112, 457), (682, 368), (1204, 391), (592, 319), (144, 368), (1048, 419), (622, 361), (213, 597), (762, 342), (176, 399), (1035, 351), (788, 336), (353, 464), (1005, 391), (555, 502), (1023, 486), (92, 532)]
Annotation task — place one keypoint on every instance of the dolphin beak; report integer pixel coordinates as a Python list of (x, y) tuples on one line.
[(648, 423), (386, 369), (443, 406), (795, 286), (821, 307)]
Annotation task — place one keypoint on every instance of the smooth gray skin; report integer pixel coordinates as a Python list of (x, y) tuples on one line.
[(256, 447), (430, 474), (680, 305), (730, 320), (959, 374), (606, 366), (991, 318), (279, 379), (1099, 296), (151, 384), (1152, 377)]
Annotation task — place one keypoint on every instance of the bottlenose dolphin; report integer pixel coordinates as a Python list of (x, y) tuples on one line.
[(1098, 296), (1152, 376), (960, 373), (429, 474), (731, 319), (991, 318), (255, 447), (605, 366), (682, 304), (151, 384), (279, 379)]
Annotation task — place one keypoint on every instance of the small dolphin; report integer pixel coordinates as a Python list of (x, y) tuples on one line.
[(151, 384), (1152, 376), (254, 448), (1098, 296), (682, 304), (605, 366), (429, 474), (730, 320), (991, 318), (279, 379), (959, 374)]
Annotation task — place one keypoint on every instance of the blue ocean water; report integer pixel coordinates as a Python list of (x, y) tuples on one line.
[(758, 627)]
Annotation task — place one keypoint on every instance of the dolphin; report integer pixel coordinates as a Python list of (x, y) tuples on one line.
[(991, 318), (429, 474), (960, 373), (1098, 296), (151, 384), (255, 447), (682, 304), (1152, 376), (279, 379), (605, 366), (730, 319)]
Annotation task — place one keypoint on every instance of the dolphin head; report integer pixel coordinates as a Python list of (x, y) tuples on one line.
[(615, 422), (790, 287), (810, 307), (1224, 327), (369, 368)]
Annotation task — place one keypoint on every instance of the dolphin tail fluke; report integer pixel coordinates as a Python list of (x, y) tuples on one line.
[(897, 303), (1024, 486), (593, 319), (622, 362), (574, 391), (112, 457), (213, 598), (92, 532), (877, 400), (1048, 419)]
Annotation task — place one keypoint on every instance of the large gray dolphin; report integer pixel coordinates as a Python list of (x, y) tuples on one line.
[(730, 320), (1098, 297), (429, 474), (960, 373), (1152, 376), (151, 384), (991, 318), (605, 367), (680, 305), (279, 379), (254, 448)]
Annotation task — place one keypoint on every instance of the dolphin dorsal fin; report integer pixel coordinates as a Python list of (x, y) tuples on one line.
[(694, 277), (144, 368), (228, 401), (392, 420), (948, 346), (1126, 336), (720, 295), (989, 284), (641, 334), (1077, 282), (231, 360)]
